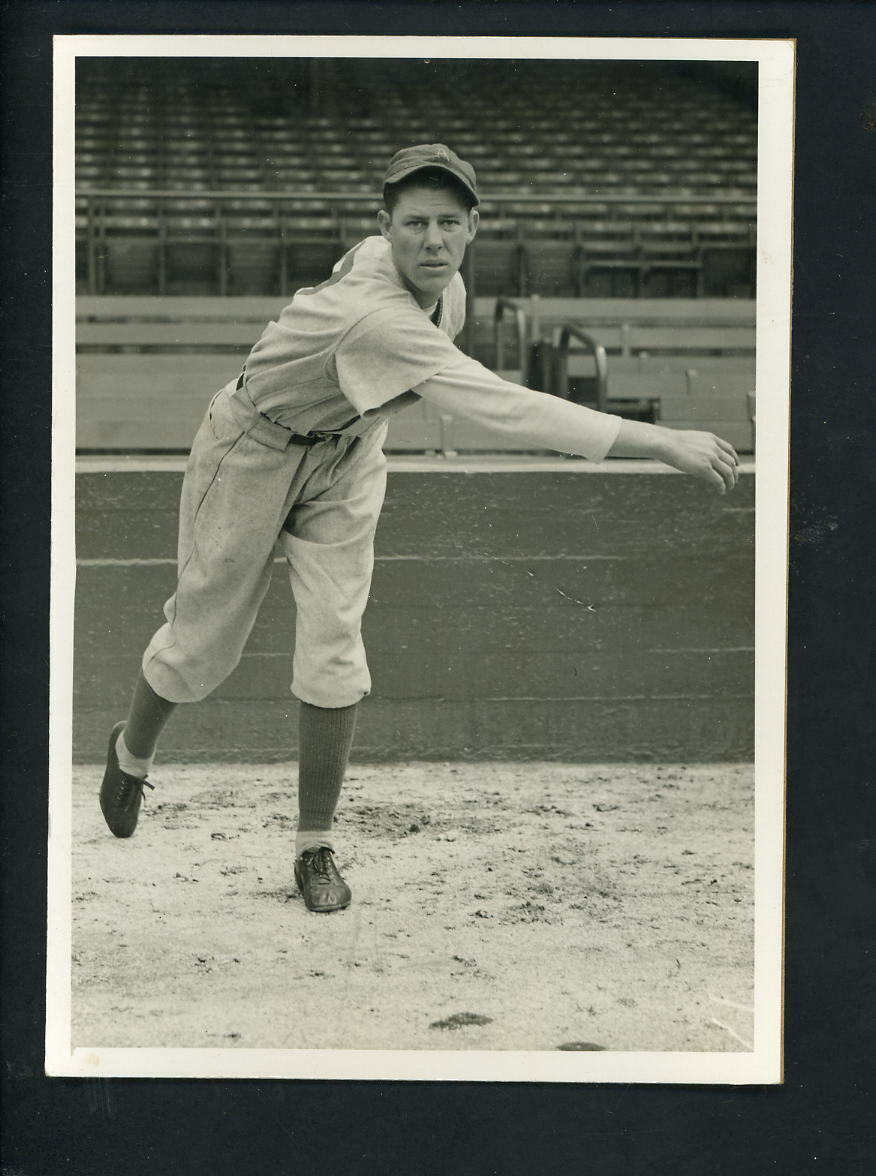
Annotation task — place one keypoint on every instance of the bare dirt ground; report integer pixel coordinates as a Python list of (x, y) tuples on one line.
[(495, 907)]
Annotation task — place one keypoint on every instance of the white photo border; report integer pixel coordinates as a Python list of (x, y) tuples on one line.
[(763, 1064)]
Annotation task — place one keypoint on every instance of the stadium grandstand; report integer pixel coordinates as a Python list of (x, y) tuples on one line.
[(524, 606), (615, 262)]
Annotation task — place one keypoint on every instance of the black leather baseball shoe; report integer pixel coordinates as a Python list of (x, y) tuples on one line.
[(320, 883), (120, 794)]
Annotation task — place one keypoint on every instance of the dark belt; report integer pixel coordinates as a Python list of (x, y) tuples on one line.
[(292, 438)]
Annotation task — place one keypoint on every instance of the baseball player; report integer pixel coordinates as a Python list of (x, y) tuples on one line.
[(291, 451)]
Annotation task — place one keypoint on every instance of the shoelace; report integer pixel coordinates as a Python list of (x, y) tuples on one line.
[(126, 781), (320, 861)]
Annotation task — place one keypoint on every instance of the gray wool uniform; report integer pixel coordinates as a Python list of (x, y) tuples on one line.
[(291, 452)]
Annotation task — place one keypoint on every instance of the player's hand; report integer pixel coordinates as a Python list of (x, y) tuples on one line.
[(703, 455)]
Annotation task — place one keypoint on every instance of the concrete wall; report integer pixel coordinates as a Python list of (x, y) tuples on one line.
[(543, 612)]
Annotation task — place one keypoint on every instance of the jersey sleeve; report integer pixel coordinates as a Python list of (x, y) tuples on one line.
[(389, 352), (535, 419)]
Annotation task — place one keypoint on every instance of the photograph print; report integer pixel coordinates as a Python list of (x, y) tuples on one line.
[(417, 712)]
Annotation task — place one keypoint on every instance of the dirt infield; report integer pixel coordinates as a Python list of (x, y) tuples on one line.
[(497, 907)]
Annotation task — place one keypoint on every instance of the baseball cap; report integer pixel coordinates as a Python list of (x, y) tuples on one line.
[(411, 159)]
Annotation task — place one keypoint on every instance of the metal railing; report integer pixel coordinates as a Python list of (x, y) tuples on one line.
[(503, 305), (169, 216), (561, 387)]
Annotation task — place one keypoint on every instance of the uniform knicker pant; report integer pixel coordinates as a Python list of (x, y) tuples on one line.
[(240, 496)]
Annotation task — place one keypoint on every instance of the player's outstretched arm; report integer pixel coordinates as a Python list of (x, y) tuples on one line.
[(468, 388), (703, 455)]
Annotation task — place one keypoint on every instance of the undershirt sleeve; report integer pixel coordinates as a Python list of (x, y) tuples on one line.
[(535, 419)]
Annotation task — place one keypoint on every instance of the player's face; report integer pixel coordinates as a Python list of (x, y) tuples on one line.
[(428, 232)]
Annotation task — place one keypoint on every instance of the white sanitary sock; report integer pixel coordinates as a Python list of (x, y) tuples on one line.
[(305, 840), (132, 765)]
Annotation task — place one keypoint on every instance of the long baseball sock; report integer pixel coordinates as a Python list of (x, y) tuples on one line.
[(147, 716), (325, 736)]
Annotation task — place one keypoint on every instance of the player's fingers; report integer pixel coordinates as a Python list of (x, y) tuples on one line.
[(726, 471), (730, 465), (728, 449), (714, 478)]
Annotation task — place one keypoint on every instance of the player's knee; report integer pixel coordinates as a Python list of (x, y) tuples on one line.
[(185, 679), (332, 680), (330, 695)]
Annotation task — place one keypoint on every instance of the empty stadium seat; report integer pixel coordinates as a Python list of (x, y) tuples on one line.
[(607, 260), (671, 263), (310, 247), (549, 257), (498, 258), (195, 129), (727, 249)]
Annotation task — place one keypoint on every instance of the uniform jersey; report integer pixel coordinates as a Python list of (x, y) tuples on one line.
[(359, 348), (355, 344)]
